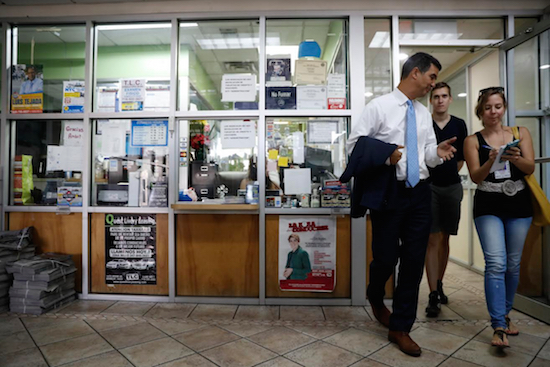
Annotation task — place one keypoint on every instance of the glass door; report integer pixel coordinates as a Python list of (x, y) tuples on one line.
[(528, 84)]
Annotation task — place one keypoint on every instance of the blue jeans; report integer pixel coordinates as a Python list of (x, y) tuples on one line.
[(502, 240)]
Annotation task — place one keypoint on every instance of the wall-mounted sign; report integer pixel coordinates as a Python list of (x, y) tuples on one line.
[(130, 249), (307, 253)]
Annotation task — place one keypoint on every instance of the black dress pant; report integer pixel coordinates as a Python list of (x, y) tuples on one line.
[(410, 223)]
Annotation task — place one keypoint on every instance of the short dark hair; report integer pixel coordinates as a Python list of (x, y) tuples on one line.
[(420, 60), (439, 86)]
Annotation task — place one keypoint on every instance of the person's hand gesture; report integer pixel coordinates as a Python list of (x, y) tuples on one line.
[(445, 149), (396, 155), (511, 154)]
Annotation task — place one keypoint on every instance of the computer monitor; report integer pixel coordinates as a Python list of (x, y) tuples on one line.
[(320, 161)]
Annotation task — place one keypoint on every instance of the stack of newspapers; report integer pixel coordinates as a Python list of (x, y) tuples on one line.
[(14, 245), (42, 283)]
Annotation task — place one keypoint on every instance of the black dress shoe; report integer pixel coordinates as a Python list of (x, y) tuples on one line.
[(434, 307), (442, 297)]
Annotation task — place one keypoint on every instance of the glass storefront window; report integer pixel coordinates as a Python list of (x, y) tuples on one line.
[(45, 59), (434, 30), (307, 64), (130, 163), (378, 75), (304, 159), (46, 161), (132, 67), (218, 161), (218, 65)]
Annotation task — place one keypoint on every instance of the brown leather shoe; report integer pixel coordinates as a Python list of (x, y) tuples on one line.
[(382, 314), (405, 343)]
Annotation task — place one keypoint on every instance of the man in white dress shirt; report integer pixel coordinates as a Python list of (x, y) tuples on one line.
[(397, 118), (32, 84)]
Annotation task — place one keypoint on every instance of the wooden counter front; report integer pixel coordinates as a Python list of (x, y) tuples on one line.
[(343, 261), (217, 255), (97, 259), (54, 233)]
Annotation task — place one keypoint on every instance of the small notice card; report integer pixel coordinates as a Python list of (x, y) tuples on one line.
[(238, 88), (238, 134)]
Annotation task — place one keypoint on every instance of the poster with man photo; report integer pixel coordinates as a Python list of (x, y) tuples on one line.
[(27, 89), (307, 253)]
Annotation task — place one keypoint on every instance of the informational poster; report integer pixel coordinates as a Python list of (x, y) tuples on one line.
[(157, 98), (238, 88), (27, 89), (130, 249), (321, 132), (307, 253), (112, 138), (107, 99), (132, 94), (149, 133), (73, 133), (238, 134), (73, 96)]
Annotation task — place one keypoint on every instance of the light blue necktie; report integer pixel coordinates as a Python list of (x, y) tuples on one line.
[(411, 141)]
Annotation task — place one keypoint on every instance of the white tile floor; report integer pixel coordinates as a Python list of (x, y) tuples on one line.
[(113, 334)]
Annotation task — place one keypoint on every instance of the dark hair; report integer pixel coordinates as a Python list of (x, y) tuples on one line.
[(420, 60), (484, 97), (439, 86)]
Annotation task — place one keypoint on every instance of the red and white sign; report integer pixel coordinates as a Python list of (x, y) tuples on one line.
[(307, 253), (336, 103)]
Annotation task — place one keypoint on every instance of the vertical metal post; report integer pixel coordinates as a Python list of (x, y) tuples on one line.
[(357, 92), (173, 160), (88, 158), (261, 157)]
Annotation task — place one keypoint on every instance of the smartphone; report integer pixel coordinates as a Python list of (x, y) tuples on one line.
[(512, 144)]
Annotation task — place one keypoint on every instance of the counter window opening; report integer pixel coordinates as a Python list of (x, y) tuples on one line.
[(45, 161), (132, 67), (130, 163), (218, 161), (304, 159), (307, 64)]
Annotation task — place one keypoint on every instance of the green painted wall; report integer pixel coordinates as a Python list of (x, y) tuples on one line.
[(66, 62)]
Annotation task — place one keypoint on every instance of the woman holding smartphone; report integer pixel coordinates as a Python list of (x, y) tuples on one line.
[(502, 206)]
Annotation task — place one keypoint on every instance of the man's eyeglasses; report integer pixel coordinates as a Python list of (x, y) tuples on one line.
[(496, 89)]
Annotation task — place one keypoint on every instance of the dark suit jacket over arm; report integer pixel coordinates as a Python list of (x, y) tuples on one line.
[(375, 182)]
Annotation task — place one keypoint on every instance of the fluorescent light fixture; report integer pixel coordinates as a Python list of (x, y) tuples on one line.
[(281, 122), (115, 27), (542, 67), (188, 25), (380, 40), (369, 94), (403, 56), (228, 43), (462, 95)]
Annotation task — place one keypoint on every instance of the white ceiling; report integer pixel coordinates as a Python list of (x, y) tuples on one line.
[(62, 2)]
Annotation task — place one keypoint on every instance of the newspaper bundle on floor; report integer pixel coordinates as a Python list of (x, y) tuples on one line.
[(14, 245), (42, 283)]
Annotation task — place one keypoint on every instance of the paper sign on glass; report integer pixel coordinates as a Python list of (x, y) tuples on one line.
[(312, 98), (149, 133), (311, 72), (73, 133), (297, 181), (132, 94), (64, 158), (238, 134), (321, 132), (238, 88), (73, 96), (336, 86)]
